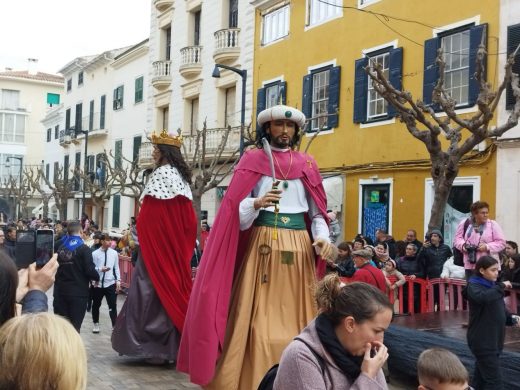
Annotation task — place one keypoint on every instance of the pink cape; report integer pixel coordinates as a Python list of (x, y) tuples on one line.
[(205, 326)]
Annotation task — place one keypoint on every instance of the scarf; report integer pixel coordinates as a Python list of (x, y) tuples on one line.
[(350, 365), (482, 281), (72, 242)]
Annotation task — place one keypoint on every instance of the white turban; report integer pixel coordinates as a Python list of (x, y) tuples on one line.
[(282, 112)]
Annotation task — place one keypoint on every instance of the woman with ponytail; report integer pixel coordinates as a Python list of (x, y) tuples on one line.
[(343, 347)]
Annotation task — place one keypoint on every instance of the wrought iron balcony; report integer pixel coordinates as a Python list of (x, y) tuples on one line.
[(227, 47), (162, 78), (191, 61)]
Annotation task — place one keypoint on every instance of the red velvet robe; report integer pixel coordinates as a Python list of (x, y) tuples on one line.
[(167, 232)]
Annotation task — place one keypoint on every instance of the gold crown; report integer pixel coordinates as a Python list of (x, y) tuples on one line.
[(165, 139)]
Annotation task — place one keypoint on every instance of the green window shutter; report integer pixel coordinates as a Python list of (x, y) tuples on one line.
[(118, 155), (137, 146), (116, 210), (138, 90), (102, 112)]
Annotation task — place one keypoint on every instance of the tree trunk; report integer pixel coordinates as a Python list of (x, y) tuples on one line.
[(197, 205), (99, 213), (45, 209), (444, 171)]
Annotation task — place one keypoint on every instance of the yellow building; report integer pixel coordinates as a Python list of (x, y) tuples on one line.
[(310, 54)]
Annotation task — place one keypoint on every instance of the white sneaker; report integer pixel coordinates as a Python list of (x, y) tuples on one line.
[(96, 328)]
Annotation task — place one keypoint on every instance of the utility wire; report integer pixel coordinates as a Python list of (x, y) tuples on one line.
[(379, 15)]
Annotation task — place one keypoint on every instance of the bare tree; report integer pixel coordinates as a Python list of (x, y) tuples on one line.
[(425, 124), (100, 189), (211, 167), (61, 189), (128, 179), (34, 179)]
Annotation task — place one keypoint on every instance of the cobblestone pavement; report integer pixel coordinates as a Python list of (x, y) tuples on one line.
[(107, 370)]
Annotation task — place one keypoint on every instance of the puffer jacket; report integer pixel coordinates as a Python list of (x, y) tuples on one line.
[(432, 259), (409, 265)]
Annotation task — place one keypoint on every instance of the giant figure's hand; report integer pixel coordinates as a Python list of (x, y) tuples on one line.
[(326, 250)]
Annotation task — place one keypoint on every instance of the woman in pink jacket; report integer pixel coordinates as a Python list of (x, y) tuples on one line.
[(478, 237)]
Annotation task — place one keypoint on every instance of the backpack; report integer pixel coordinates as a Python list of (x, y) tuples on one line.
[(267, 382), (458, 256)]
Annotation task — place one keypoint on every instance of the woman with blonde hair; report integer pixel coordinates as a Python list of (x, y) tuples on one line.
[(343, 347), (42, 352)]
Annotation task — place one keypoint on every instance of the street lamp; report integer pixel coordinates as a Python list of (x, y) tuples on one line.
[(85, 165), (20, 189), (243, 74)]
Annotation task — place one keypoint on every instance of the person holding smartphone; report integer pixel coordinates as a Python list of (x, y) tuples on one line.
[(106, 261)]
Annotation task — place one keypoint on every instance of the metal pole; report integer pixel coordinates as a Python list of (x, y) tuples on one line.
[(85, 168), (243, 73), (20, 199)]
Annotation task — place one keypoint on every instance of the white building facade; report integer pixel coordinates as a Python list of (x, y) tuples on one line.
[(25, 98), (508, 155), (187, 39), (104, 111)]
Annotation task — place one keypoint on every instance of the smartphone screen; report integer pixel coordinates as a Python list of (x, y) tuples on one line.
[(44, 247), (25, 249)]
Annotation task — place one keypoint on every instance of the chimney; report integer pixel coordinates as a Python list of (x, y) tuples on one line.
[(32, 66)]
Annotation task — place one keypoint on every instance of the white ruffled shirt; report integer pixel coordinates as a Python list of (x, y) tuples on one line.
[(294, 200), (166, 183)]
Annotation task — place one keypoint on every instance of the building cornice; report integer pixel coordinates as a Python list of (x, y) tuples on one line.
[(135, 52)]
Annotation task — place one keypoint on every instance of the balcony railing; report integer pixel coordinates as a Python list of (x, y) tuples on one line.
[(191, 57), (161, 78), (226, 45), (213, 140), (95, 125)]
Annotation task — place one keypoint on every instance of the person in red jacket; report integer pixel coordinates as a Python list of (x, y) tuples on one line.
[(365, 272)]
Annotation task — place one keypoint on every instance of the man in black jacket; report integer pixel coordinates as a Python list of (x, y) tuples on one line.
[(76, 270), (432, 256)]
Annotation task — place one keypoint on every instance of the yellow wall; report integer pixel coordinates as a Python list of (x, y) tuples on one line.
[(342, 40)]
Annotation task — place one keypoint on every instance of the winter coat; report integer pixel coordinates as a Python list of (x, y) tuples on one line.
[(487, 317), (409, 265), (371, 275), (300, 369), (344, 267), (513, 275), (452, 271), (432, 259)]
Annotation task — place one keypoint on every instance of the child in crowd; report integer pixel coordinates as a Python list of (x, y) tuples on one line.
[(438, 368), (391, 273)]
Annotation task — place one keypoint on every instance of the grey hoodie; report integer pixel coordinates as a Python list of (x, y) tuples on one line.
[(300, 369)]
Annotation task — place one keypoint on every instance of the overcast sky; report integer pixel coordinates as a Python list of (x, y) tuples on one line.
[(57, 31)]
